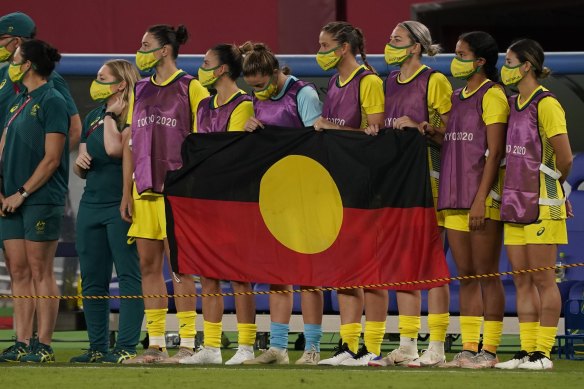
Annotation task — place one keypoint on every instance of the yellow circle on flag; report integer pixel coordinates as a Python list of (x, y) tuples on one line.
[(301, 204)]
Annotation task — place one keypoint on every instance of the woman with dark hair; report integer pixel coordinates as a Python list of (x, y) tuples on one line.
[(354, 100), (161, 114), (101, 232), (534, 206), (280, 99), (35, 174), (227, 110), (470, 194)]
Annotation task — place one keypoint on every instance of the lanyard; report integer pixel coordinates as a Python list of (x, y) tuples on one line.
[(18, 111), (93, 128)]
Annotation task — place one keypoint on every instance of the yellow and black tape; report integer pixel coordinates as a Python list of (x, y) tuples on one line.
[(315, 289)]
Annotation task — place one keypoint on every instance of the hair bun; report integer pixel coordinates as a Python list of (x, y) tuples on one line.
[(182, 35), (53, 54)]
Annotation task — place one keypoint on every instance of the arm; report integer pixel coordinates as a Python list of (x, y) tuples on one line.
[(128, 170), (435, 134), (561, 145), (496, 147), (112, 137), (54, 145), (83, 162), (74, 132)]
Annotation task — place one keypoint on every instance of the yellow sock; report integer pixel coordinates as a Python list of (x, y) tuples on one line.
[(186, 324), (546, 338), (350, 334), (492, 335), (212, 334), (246, 333), (409, 326), (470, 331), (156, 326), (528, 335), (374, 331), (438, 325)]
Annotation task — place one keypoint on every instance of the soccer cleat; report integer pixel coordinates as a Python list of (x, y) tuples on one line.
[(39, 353), (118, 356), (244, 353), (519, 358), (90, 356), (310, 357), (459, 358), (483, 360), (537, 361), (428, 358), (151, 355), (182, 353), (341, 353), (362, 358), (272, 355), (14, 353), (204, 356)]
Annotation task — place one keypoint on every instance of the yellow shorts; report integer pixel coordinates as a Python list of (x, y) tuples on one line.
[(457, 219), (540, 232), (439, 214), (149, 218)]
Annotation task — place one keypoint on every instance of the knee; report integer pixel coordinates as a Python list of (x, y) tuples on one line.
[(150, 269), (40, 271), (241, 286), (20, 273), (210, 285)]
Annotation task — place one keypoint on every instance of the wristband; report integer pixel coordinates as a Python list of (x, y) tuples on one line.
[(23, 192), (112, 115)]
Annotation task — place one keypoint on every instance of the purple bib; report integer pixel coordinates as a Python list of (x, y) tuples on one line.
[(463, 151), (521, 191), (342, 105), (161, 120), (211, 119), (410, 99), (284, 111)]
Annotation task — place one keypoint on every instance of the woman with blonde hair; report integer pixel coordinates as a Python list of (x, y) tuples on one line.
[(419, 97), (101, 232)]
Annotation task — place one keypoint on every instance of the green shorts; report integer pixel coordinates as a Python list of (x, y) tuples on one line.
[(38, 223)]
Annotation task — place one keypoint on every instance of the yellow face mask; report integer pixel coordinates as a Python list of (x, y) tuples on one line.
[(268, 91), (328, 59), (395, 55), (511, 75), (101, 91), (463, 68), (4, 53), (146, 60), (207, 76), (15, 72)]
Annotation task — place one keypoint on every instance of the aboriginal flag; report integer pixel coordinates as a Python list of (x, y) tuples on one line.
[(296, 206)]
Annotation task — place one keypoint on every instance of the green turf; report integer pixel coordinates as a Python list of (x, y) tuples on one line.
[(61, 375)]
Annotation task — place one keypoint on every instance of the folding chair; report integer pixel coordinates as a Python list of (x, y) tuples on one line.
[(574, 331)]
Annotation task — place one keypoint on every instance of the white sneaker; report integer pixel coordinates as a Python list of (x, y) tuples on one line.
[(310, 357), (537, 361), (518, 359), (402, 356), (272, 355), (342, 353), (362, 358), (244, 353), (459, 359), (428, 358), (205, 356)]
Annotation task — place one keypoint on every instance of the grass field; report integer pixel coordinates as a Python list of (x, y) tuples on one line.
[(63, 375)]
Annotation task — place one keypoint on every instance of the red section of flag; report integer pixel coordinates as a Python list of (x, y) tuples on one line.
[(229, 240)]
